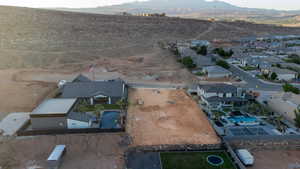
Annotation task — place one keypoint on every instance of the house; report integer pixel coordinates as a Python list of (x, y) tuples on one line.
[(52, 114), (199, 60), (216, 72), (197, 43), (284, 104), (283, 74), (220, 95), (78, 120), (96, 92)]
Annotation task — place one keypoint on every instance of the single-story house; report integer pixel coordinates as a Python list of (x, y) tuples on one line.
[(96, 92), (218, 95), (52, 114), (216, 72), (283, 74)]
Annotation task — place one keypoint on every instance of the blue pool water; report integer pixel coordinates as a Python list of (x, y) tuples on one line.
[(244, 119), (109, 120)]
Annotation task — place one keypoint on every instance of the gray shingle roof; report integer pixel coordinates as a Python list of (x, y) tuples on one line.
[(112, 88), (81, 78), (218, 88)]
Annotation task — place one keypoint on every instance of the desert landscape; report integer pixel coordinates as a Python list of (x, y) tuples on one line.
[(160, 117), (93, 151), (41, 47)]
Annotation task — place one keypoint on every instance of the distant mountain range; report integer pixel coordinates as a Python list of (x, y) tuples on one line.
[(199, 9)]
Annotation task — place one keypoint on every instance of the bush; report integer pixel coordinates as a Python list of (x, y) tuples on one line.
[(290, 88), (274, 76), (221, 52), (223, 64), (202, 50), (188, 62)]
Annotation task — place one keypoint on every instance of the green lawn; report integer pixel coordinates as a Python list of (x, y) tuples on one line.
[(193, 160), (248, 68)]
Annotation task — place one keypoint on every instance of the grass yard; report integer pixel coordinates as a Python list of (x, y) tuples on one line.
[(193, 160)]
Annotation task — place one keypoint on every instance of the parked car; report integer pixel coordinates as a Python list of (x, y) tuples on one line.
[(245, 156)]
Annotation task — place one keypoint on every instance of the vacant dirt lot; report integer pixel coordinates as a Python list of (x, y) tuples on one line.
[(20, 96), (167, 117), (276, 159), (92, 151)]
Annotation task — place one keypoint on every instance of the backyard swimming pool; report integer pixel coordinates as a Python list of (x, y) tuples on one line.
[(243, 120), (110, 120)]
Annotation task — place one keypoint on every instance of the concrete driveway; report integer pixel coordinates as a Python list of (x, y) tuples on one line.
[(13, 122)]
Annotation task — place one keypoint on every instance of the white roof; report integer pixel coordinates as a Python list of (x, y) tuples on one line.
[(245, 154), (56, 153), (54, 106)]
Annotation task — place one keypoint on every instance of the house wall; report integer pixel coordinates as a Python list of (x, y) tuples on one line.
[(218, 75), (286, 77), (74, 124), (283, 107), (48, 122)]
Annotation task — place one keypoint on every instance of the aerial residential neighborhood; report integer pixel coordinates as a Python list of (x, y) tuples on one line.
[(149, 85)]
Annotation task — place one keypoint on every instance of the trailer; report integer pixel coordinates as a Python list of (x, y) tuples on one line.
[(245, 156), (55, 159)]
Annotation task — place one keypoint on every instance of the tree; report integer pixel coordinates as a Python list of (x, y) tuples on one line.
[(123, 104), (290, 88), (221, 52), (188, 62), (202, 50), (274, 76), (223, 64), (297, 118)]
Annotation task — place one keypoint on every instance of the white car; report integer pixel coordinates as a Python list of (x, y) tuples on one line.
[(61, 83), (245, 156)]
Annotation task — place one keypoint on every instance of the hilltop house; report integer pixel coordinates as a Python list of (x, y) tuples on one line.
[(221, 95), (96, 92)]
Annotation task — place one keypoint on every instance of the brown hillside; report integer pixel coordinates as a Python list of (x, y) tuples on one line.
[(41, 38)]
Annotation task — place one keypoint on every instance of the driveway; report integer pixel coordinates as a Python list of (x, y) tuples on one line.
[(13, 122)]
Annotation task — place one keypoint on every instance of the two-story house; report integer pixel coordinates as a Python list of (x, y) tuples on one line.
[(221, 95)]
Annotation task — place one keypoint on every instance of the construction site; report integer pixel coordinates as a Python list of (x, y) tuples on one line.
[(167, 117)]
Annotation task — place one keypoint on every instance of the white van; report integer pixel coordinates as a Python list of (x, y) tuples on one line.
[(245, 156)]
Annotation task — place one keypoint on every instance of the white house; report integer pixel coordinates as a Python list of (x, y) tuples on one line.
[(77, 120), (284, 74)]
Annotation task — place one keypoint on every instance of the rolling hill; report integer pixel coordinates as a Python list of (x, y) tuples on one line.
[(45, 38), (199, 9)]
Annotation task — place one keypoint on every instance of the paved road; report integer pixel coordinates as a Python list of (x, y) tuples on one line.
[(253, 82)]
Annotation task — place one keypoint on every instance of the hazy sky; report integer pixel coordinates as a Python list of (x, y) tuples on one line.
[(271, 4)]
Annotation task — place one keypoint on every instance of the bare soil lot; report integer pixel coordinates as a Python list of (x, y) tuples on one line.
[(20, 96), (276, 159), (92, 151), (167, 117)]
